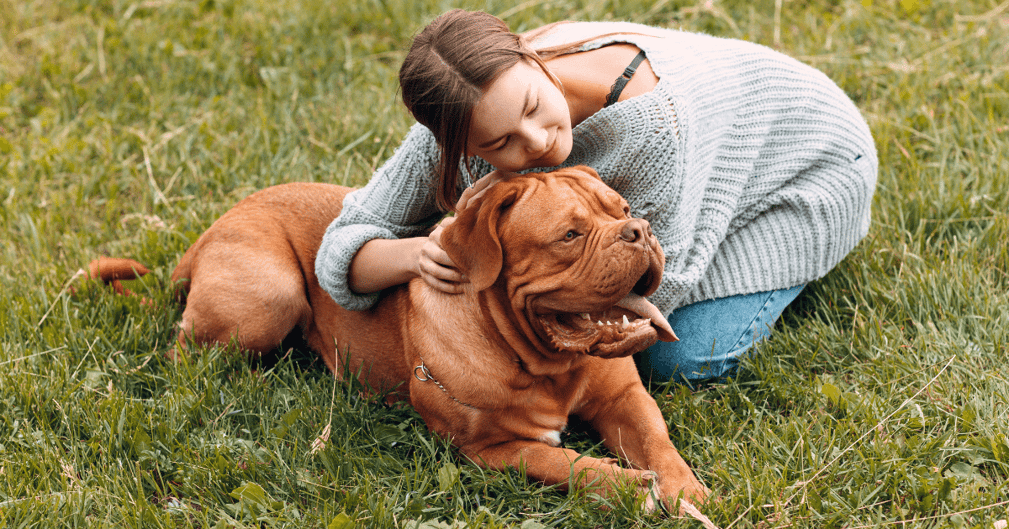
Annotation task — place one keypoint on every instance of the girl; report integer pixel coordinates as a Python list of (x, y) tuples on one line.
[(756, 172)]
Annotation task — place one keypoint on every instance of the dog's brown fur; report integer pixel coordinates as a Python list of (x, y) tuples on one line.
[(498, 369)]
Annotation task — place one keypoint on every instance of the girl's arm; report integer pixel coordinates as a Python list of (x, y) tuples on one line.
[(383, 235), (392, 216), (382, 263)]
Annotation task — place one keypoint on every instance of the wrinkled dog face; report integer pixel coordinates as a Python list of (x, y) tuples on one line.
[(581, 254), (572, 262)]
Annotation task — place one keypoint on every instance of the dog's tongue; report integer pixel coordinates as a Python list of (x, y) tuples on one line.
[(644, 308)]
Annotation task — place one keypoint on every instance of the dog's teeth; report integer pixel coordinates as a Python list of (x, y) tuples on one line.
[(624, 324), (584, 315), (599, 323)]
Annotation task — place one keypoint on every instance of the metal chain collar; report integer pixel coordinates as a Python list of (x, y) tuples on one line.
[(426, 376)]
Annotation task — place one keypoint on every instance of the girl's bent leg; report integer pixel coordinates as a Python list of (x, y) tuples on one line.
[(714, 335)]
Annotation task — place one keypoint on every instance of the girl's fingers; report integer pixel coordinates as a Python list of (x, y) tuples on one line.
[(436, 267), (480, 187)]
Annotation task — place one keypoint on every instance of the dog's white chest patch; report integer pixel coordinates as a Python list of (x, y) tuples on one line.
[(552, 438)]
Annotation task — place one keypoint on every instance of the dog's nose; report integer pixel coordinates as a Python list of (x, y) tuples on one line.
[(635, 230)]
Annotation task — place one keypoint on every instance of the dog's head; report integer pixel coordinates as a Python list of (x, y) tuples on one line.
[(571, 261)]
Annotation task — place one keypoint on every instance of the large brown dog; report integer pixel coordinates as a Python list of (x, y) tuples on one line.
[(544, 330)]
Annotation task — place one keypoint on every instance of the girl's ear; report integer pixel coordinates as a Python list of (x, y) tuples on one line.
[(472, 241)]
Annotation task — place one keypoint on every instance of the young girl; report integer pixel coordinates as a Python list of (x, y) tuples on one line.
[(756, 172)]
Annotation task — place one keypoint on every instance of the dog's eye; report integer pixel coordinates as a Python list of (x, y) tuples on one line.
[(570, 235)]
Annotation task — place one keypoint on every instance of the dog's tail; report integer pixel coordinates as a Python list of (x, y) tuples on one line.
[(113, 270)]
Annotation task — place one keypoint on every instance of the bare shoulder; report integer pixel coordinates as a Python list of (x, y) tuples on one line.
[(589, 76), (581, 31), (573, 31), (543, 31)]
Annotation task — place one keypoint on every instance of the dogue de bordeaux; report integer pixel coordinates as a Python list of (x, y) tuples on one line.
[(543, 331)]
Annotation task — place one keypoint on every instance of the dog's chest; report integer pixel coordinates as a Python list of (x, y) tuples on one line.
[(547, 407), (551, 437), (545, 426)]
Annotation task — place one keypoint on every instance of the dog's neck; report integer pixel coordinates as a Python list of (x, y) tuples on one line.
[(508, 345), (519, 340)]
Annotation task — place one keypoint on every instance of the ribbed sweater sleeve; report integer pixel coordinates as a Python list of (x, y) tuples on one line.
[(398, 202)]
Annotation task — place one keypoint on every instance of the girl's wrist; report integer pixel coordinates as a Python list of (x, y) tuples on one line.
[(382, 263)]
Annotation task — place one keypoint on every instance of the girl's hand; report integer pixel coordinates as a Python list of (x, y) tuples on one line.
[(481, 186), (434, 265)]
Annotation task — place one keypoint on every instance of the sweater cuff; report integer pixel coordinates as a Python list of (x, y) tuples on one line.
[(332, 263)]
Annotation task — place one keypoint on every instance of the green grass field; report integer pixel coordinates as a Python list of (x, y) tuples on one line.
[(127, 127)]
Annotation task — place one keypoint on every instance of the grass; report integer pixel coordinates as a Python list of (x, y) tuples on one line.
[(127, 127)]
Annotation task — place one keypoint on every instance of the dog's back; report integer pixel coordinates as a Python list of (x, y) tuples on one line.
[(296, 212), (250, 278)]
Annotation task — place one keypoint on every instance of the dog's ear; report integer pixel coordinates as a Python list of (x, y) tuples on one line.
[(472, 241)]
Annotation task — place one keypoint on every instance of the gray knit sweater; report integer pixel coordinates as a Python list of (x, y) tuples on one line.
[(755, 171)]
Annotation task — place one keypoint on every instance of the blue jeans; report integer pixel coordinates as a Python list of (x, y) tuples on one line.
[(714, 335)]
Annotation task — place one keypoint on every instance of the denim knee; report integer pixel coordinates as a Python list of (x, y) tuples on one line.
[(714, 336)]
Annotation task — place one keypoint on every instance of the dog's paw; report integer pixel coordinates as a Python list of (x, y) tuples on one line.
[(686, 499), (651, 491), (689, 509)]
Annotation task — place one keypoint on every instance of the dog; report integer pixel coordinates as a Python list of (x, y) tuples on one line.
[(558, 271)]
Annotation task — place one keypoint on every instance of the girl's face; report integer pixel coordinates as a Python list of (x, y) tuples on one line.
[(521, 121)]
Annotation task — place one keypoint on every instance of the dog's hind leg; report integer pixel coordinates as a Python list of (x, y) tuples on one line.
[(256, 300)]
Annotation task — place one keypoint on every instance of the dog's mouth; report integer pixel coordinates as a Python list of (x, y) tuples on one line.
[(630, 326)]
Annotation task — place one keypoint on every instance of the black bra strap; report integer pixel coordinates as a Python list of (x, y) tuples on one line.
[(621, 81)]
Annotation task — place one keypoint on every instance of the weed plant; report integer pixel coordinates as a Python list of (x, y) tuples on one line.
[(128, 126)]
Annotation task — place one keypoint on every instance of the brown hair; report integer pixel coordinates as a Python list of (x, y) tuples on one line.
[(449, 65)]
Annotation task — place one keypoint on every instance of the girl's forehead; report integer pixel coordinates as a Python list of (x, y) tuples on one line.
[(509, 91)]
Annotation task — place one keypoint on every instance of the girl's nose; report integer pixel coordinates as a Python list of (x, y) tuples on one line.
[(536, 139)]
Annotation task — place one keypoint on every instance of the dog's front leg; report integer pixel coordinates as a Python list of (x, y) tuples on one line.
[(632, 426), (555, 465)]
